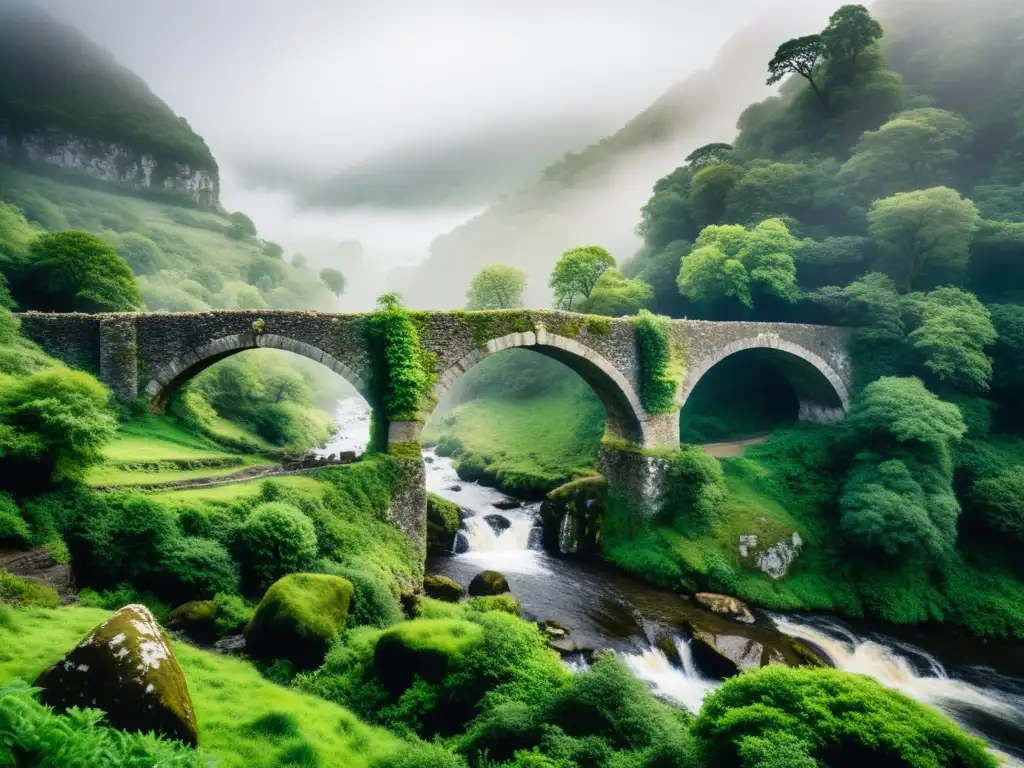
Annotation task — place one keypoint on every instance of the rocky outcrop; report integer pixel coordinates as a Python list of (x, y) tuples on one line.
[(724, 605), (112, 163), (443, 588), (488, 583), (571, 516), (443, 518), (126, 668), (773, 556), (498, 523)]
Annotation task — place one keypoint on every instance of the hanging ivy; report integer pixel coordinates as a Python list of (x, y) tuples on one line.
[(403, 370), (660, 365)]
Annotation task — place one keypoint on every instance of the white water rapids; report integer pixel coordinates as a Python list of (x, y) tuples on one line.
[(989, 705)]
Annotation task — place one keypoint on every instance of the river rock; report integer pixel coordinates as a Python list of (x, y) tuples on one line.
[(461, 543), (456, 488), (507, 504), (488, 583), (498, 523), (724, 605), (772, 558), (722, 655), (428, 459), (231, 644), (443, 588), (126, 668), (552, 629), (667, 645)]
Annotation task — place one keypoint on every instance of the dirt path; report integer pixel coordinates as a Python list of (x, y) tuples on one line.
[(734, 447)]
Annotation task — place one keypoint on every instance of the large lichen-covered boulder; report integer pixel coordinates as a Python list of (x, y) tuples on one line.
[(443, 588), (298, 618), (488, 583), (126, 668), (424, 648)]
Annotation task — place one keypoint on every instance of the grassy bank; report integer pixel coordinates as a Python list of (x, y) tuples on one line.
[(231, 699)]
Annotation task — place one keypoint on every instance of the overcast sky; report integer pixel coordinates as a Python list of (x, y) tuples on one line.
[(348, 119)]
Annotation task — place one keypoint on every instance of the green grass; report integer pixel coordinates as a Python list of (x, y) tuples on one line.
[(105, 475), (236, 491), (158, 438), (539, 442), (244, 720)]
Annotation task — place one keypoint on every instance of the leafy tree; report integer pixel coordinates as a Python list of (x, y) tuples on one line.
[(850, 31), (241, 226), (53, 425), (915, 150), (799, 56), (76, 272), (659, 270), (710, 190), (899, 495), (275, 539), (773, 189), (708, 153), (615, 295), (832, 261), (930, 227), (273, 250), (390, 302), (334, 280), (6, 300), (263, 266), (733, 262), (576, 274), (496, 286), (666, 217), (1000, 502), (954, 331), (299, 261)]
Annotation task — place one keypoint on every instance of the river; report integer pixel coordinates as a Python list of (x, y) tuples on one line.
[(978, 684)]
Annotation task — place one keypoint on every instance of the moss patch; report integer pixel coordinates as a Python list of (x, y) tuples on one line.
[(421, 648), (298, 618)]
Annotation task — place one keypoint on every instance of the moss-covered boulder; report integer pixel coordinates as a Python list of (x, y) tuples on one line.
[(424, 647), (126, 668), (488, 583), (443, 588), (571, 516), (443, 519), (504, 603), (298, 618), (196, 619)]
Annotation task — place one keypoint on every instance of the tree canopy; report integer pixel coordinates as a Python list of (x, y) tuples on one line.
[(496, 286), (333, 279), (576, 274)]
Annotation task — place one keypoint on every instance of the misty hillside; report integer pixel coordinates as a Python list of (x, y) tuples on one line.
[(66, 102), (592, 196)]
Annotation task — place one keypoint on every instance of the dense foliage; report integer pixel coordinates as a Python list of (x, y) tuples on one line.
[(496, 286)]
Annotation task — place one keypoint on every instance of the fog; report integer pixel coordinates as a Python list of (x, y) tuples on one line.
[(395, 121)]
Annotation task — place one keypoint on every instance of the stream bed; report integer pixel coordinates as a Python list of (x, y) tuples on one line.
[(979, 684)]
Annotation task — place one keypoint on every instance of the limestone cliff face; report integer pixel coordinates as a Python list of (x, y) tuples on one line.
[(112, 163)]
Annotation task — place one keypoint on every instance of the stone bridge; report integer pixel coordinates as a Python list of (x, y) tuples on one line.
[(153, 355)]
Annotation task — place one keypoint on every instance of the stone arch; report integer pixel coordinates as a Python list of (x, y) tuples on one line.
[(823, 394), (626, 418), (170, 377)]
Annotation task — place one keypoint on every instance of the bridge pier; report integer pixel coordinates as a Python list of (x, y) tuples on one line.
[(119, 356)]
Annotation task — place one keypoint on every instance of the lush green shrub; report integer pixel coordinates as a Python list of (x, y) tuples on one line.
[(122, 595), (140, 253), (298, 618), (694, 488), (17, 591), (275, 539), (55, 422), (420, 754), (847, 720), (504, 603), (34, 735), (232, 613), (424, 648), (196, 567), (609, 701), (75, 272), (14, 531), (502, 731), (374, 603), (1000, 502), (197, 619), (488, 583)]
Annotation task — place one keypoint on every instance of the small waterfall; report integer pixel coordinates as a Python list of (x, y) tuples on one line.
[(685, 686)]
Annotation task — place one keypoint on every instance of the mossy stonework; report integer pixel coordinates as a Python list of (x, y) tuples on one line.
[(403, 363)]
